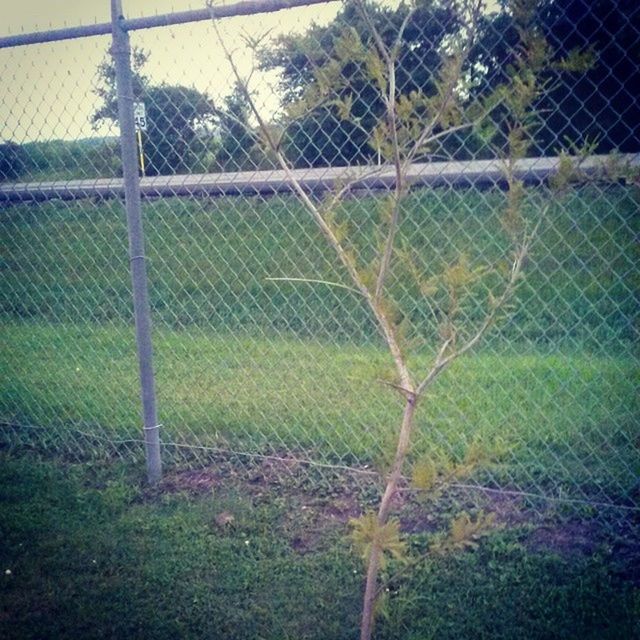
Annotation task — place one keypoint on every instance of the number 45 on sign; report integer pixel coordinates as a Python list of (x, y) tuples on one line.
[(140, 116), (140, 121)]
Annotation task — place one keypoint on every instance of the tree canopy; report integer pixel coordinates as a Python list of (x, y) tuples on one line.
[(598, 103), (323, 137), (177, 118)]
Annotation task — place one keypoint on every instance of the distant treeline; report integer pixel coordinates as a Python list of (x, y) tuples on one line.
[(100, 158), (60, 159)]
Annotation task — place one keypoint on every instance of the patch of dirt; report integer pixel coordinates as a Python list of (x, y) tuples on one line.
[(568, 538), (193, 481), (341, 509), (419, 522), (545, 532), (424, 515), (541, 531), (315, 514), (264, 474), (509, 510), (313, 511), (273, 472), (416, 515), (305, 544), (311, 520)]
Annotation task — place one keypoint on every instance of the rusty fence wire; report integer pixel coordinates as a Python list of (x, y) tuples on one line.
[(256, 357)]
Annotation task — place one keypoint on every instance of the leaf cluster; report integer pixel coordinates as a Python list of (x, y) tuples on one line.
[(368, 534), (430, 473), (464, 533)]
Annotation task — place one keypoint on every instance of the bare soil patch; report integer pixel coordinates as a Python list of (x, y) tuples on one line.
[(313, 512)]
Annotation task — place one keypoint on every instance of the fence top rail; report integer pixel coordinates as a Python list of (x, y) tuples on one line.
[(459, 173), (244, 8)]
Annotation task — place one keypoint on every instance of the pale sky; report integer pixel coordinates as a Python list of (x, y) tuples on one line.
[(47, 89)]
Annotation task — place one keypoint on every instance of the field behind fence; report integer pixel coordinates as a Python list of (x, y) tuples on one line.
[(257, 355)]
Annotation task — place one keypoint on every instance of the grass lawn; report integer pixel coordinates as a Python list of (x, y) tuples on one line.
[(89, 552), (251, 365), (246, 365), (568, 420), (210, 261)]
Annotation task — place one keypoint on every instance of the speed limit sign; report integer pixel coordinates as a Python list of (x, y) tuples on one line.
[(140, 116)]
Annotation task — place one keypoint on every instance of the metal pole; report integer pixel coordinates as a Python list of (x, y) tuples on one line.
[(121, 52)]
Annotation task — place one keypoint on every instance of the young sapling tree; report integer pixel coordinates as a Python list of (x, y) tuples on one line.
[(412, 125)]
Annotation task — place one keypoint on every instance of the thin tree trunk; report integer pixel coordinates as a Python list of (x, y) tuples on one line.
[(371, 585)]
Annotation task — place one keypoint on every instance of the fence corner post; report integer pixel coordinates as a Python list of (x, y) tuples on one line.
[(121, 52)]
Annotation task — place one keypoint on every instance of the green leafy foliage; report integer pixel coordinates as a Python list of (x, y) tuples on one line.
[(424, 474), (587, 72), (464, 533), (369, 534), (587, 76)]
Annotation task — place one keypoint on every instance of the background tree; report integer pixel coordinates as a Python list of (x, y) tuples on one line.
[(322, 137), (179, 119), (237, 140), (177, 133), (602, 102), (13, 160)]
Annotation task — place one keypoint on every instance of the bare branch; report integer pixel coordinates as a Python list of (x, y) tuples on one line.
[(377, 38), (405, 392), (427, 135), (314, 281), (390, 59), (386, 327), (395, 50), (441, 362)]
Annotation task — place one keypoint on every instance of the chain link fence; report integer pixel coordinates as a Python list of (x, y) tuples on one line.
[(257, 355)]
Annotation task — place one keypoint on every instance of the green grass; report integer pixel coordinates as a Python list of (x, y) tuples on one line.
[(210, 260), (570, 420), (249, 364), (88, 552)]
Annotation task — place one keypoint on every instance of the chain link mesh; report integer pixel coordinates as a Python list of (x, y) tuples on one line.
[(251, 362)]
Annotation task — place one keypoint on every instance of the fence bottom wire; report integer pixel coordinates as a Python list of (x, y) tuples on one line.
[(375, 477)]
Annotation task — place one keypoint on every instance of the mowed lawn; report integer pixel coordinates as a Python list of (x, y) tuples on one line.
[(567, 420), (251, 365), (248, 365), (88, 550)]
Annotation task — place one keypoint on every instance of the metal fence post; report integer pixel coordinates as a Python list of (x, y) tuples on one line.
[(121, 52)]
